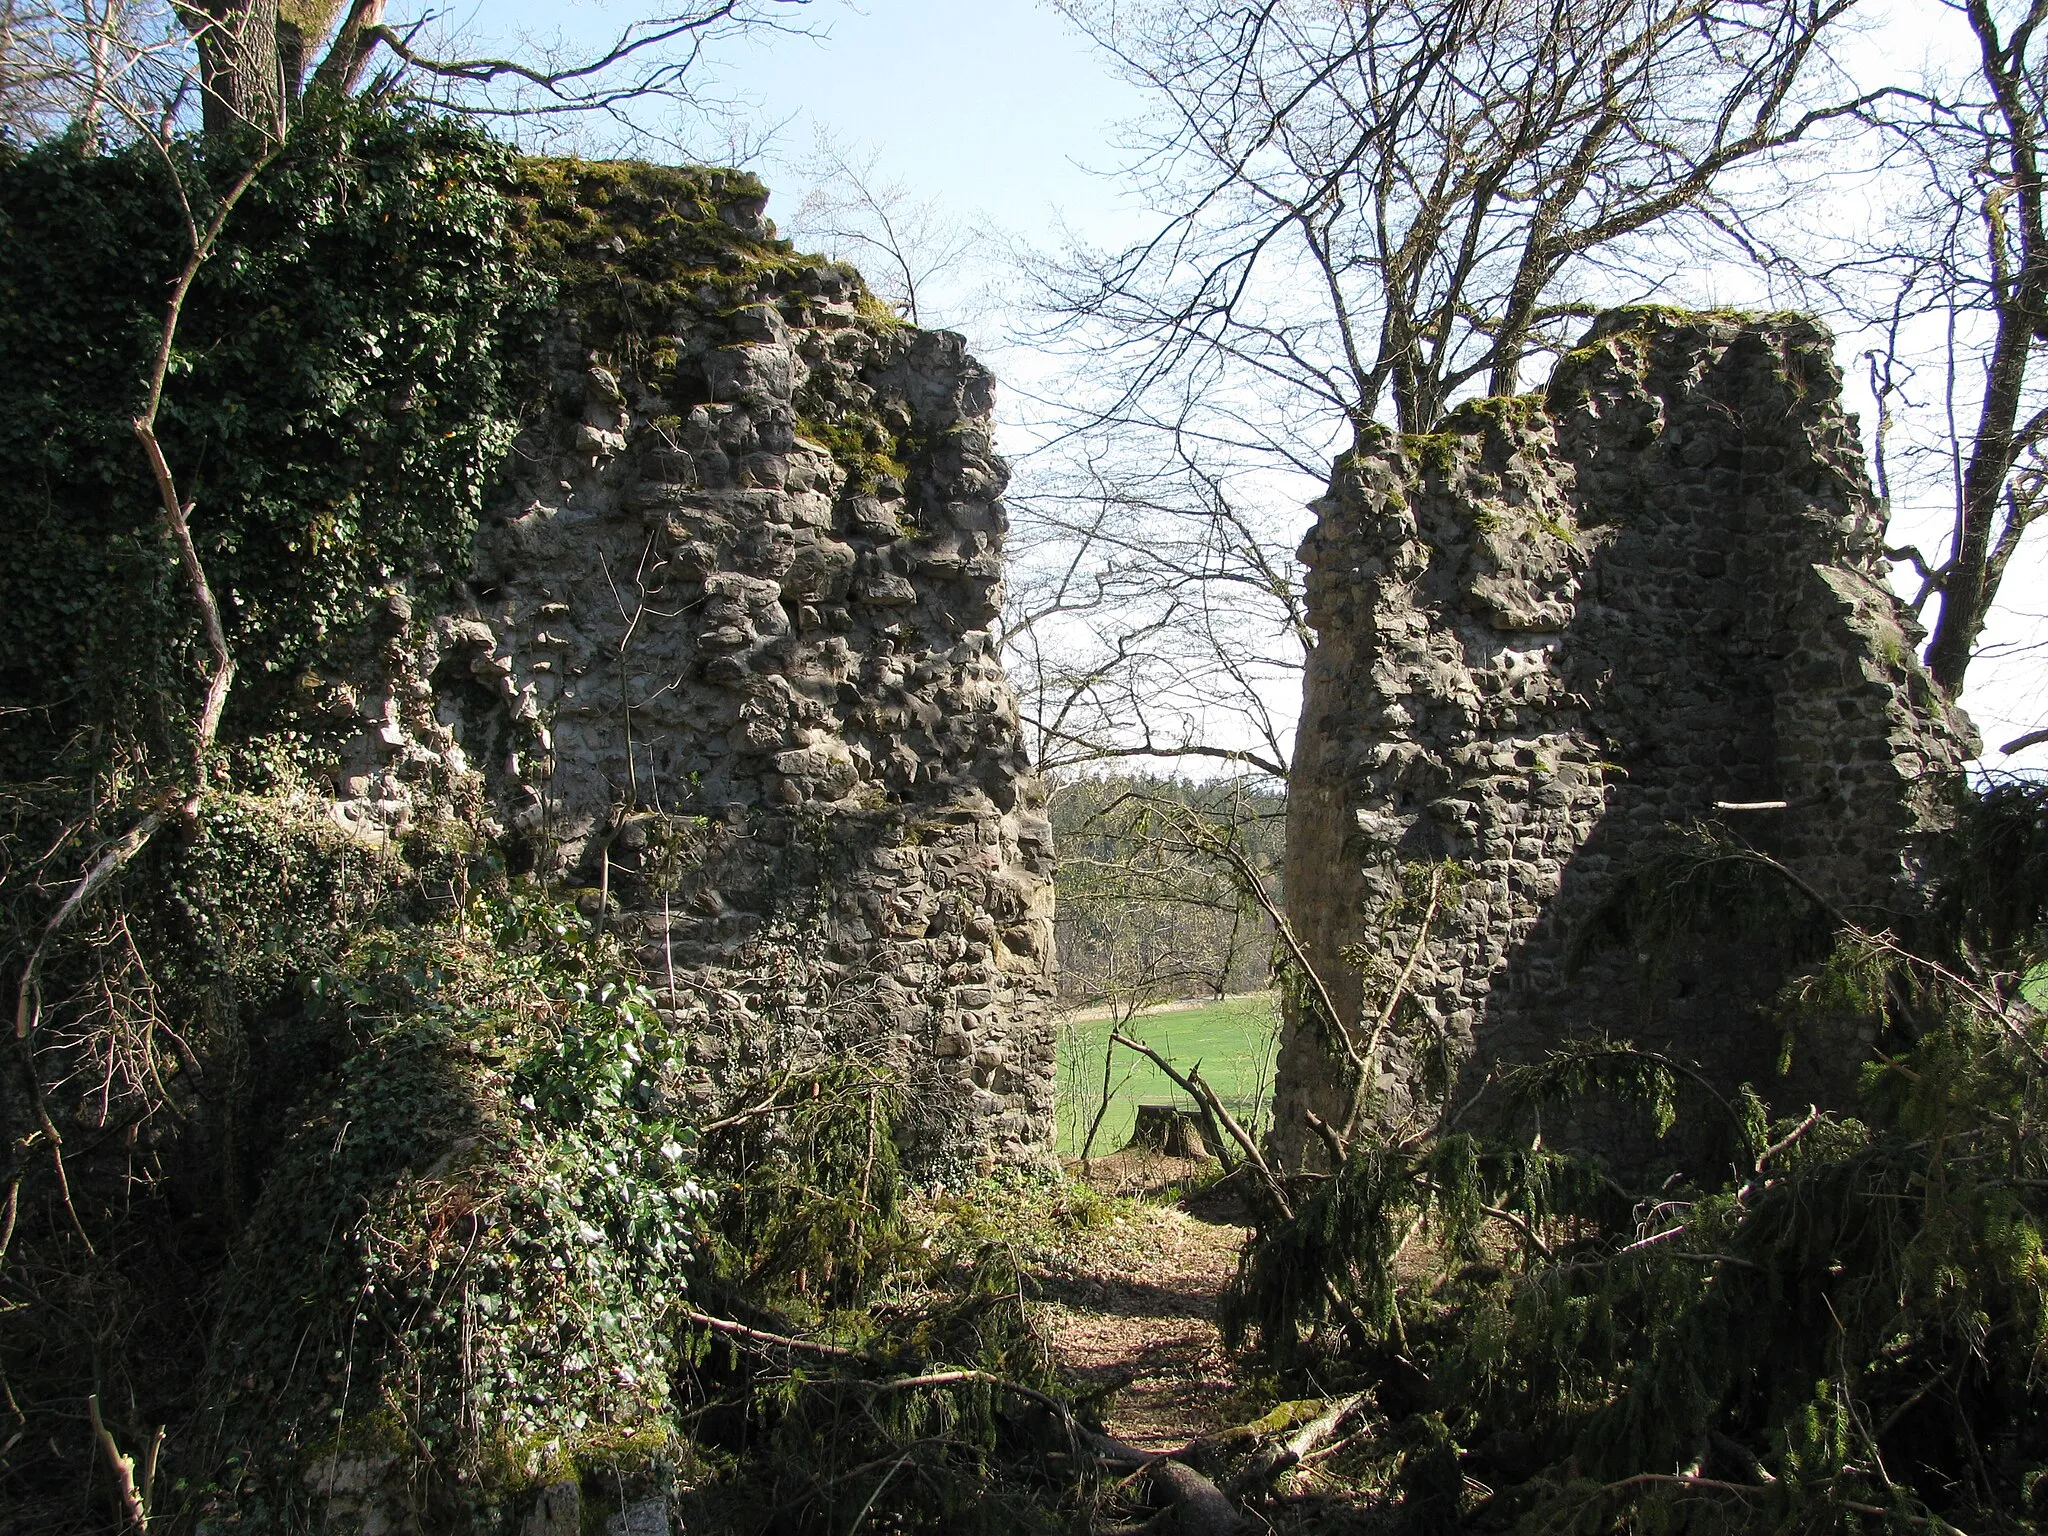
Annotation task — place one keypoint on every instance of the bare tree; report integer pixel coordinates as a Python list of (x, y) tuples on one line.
[(908, 247), (1154, 613), (1360, 209), (90, 66), (253, 64), (1968, 253), (1385, 197)]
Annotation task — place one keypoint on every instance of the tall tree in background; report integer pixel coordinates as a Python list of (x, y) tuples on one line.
[(253, 64), (911, 249), (1970, 253), (1385, 202), (1360, 210)]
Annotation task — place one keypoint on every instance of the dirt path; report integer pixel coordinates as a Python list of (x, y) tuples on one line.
[(1178, 1005), (1133, 1309)]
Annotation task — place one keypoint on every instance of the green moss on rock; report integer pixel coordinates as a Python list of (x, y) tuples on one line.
[(628, 243)]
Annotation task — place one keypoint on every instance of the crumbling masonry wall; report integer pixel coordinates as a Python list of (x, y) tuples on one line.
[(724, 664), (1549, 634)]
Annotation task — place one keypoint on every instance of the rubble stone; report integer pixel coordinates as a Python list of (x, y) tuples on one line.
[(1549, 634), (724, 664)]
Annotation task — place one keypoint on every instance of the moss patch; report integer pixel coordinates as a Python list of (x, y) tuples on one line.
[(1501, 411), (863, 446), (628, 243)]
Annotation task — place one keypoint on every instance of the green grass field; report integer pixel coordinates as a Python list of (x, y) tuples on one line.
[(1233, 1040)]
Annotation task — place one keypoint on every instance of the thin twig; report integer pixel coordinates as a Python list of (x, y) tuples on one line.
[(727, 1326), (119, 854), (1202, 1094), (1393, 1002)]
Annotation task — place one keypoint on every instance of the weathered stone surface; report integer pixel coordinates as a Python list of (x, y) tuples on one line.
[(557, 1511), (726, 666), (1554, 631), (648, 1517)]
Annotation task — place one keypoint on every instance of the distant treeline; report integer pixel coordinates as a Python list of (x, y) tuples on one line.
[(1145, 916)]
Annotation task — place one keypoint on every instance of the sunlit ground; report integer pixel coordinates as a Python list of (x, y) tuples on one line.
[(1233, 1041)]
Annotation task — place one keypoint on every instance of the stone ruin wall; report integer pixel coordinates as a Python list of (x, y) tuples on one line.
[(1555, 630), (745, 692)]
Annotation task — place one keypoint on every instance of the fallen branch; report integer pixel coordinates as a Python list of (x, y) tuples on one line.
[(727, 1326), (1059, 1410), (1813, 1118), (1332, 1142), (1514, 1219), (1683, 1480), (953, 1378), (1274, 1460), (1337, 1447), (1386, 1013), (1199, 1506), (1716, 1485), (1213, 1110), (133, 1505), (1191, 1082), (1363, 1082), (741, 1116), (1250, 880)]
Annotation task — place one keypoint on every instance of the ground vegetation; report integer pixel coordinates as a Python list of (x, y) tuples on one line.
[(1818, 1320)]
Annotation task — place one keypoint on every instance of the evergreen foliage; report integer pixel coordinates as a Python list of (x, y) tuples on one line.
[(1845, 1326)]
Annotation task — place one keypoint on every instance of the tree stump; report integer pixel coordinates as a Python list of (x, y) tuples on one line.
[(1169, 1129)]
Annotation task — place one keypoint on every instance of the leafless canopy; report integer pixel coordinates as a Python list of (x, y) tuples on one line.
[(1361, 208), (908, 247), (1154, 615), (118, 67), (1968, 251), (1367, 198)]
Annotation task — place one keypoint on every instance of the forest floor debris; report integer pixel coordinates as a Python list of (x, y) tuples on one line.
[(1131, 1304)]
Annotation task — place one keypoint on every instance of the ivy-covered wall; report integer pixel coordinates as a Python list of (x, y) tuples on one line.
[(340, 396), (723, 659), (617, 853)]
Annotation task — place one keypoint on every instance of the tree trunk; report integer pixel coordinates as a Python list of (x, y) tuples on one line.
[(2020, 297), (1516, 323), (1169, 1129), (1964, 595), (241, 76)]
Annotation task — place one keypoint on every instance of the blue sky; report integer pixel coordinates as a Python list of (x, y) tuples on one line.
[(994, 104)]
